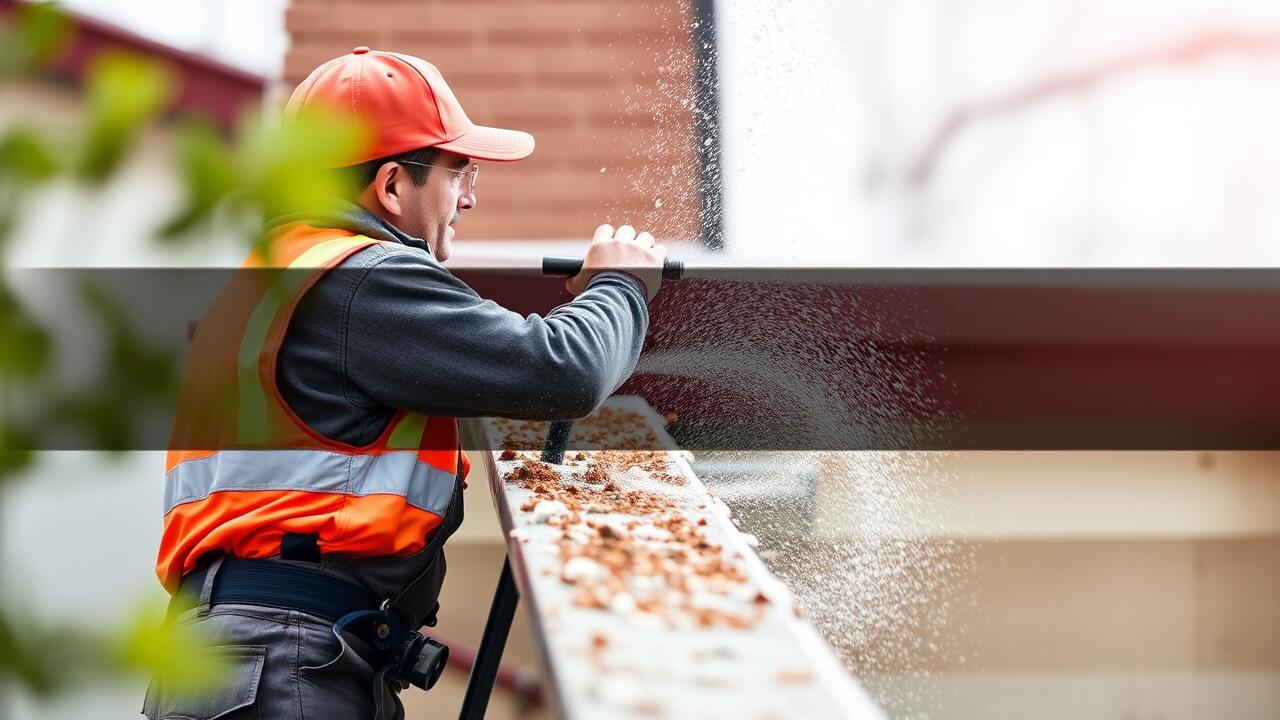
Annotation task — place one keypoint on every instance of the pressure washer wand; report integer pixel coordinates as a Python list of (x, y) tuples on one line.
[(557, 439), (568, 267), (558, 433)]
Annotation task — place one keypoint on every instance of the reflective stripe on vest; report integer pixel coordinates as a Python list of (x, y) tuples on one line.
[(395, 473), (272, 474)]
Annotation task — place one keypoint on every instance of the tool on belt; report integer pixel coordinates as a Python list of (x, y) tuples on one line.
[(413, 658), (407, 656)]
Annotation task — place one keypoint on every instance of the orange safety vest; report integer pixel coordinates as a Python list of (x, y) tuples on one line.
[(243, 469)]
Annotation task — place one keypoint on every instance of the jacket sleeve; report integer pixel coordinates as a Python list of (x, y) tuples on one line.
[(418, 338)]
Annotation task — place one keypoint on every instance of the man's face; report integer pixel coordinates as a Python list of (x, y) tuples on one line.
[(431, 210)]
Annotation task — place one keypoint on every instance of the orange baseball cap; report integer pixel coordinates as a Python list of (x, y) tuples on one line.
[(404, 102)]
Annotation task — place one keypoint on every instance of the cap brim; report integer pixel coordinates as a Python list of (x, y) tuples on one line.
[(493, 144)]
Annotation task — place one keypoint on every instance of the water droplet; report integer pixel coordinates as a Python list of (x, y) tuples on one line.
[(657, 203)]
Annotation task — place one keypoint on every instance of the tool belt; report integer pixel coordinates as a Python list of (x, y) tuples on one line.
[(406, 656)]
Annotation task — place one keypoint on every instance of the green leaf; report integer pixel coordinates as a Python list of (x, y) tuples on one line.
[(290, 167), (34, 38), (57, 660), (16, 450), (23, 662), (210, 173), (154, 645), (102, 416), (136, 371), (125, 93), (24, 346), (136, 378), (24, 156), (45, 659)]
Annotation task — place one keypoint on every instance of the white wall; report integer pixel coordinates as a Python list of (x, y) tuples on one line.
[(828, 105)]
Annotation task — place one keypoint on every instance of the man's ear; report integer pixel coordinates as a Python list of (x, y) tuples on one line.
[(384, 187)]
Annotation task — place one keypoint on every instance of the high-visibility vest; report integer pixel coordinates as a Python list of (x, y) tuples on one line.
[(243, 469)]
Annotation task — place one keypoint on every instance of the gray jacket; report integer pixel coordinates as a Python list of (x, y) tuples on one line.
[(393, 329), (390, 328)]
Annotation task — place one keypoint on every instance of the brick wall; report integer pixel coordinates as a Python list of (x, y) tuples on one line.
[(604, 85)]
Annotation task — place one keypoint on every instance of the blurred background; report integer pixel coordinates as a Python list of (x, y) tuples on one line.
[(752, 133)]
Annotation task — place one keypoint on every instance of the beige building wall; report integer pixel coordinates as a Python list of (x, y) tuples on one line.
[(1089, 584)]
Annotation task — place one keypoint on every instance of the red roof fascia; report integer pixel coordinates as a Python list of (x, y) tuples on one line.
[(205, 87)]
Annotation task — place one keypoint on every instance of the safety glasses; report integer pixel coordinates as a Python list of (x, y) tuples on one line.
[(473, 174)]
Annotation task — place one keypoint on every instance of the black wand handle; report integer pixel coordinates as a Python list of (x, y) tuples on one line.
[(557, 439), (568, 267)]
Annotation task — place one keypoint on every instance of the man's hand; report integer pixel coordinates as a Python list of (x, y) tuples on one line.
[(638, 255)]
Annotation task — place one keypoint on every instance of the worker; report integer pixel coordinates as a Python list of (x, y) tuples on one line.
[(309, 540)]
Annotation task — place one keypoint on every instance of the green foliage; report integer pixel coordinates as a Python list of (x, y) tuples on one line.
[(150, 642), (125, 93), (37, 33), (269, 170), (24, 345), (276, 169), (48, 659), (286, 164), (16, 450), (25, 157), (23, 660), (140, 377), (211, 174), (138, 371)]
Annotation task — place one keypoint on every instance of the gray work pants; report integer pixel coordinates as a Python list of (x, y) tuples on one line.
[(280, 664)]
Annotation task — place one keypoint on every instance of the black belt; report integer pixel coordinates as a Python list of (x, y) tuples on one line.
[(406, 657), (279, 585)]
